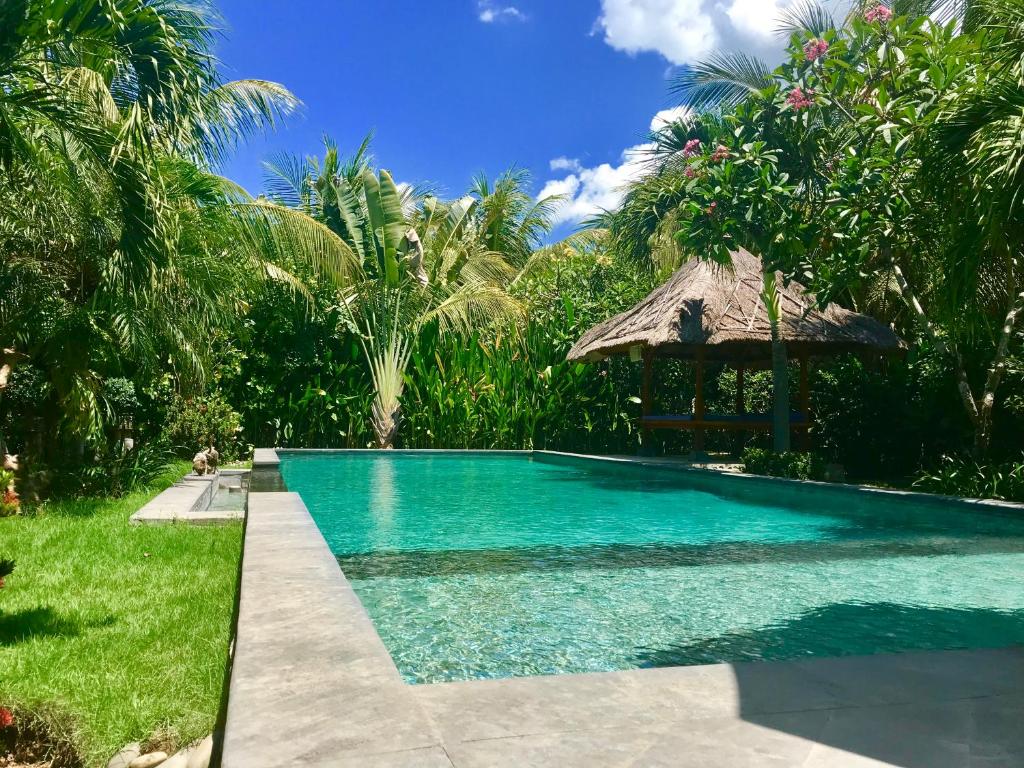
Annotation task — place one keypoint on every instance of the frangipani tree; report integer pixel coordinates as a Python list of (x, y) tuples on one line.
[(893, 173), (739, 198)]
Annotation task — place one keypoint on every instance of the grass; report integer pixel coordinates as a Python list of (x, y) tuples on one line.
[(122, 629)]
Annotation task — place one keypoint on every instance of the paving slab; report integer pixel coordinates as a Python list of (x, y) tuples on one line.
[(917, 710), (311, 681), (187, 501)]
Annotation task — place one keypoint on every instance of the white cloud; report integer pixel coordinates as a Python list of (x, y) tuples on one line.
[(588, 191), (565, 164), (669, 116), (685, 31), (755, 18), (680, 30), (490, 11)]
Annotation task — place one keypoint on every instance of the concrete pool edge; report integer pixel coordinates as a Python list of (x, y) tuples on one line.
[(312, 684), (311, 680)]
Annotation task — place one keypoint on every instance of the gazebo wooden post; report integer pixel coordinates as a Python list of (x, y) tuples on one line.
[(805, 404), (646, 434), (645, 393), (698, 403), (741, 407)]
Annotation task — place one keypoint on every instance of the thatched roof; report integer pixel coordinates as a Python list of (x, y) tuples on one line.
[(710, 306)]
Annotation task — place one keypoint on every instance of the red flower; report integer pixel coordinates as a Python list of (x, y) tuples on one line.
[(721, 153), (6, 718), (710, 210), (690, 173)]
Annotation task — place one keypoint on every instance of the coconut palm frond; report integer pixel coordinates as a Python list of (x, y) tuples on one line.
[(474, 305), (288, 180), (289, 234), (721, 81), (805, 16)]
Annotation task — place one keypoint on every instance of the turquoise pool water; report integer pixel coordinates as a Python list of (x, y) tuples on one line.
[(478, 566)]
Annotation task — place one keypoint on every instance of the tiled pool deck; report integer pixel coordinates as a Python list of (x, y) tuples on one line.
[(313, 685)]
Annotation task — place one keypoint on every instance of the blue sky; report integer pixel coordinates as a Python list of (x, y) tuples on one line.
[(454, 88)]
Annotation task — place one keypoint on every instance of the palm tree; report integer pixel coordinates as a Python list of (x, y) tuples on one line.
[(421, 260), (121, 249)]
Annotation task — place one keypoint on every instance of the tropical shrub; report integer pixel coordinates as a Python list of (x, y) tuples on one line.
[(964, 476), (793, 465), (121, 401), (193, 423)]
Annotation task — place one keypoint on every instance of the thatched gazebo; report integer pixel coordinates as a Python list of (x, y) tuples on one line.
[(707, 312)]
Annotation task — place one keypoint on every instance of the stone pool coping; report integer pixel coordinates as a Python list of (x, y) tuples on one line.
[(313, 685), (187, 501)]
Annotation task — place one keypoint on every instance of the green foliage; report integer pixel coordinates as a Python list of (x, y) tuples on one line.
[(108, 470), (121, 253), (961, 476), (122, 403), (793, 465), (194, 423), (303, 379), (876, 166)]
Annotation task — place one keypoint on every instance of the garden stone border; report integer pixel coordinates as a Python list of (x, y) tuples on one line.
[(188, 501)]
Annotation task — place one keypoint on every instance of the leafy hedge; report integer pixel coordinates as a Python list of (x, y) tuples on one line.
[(794, 465)]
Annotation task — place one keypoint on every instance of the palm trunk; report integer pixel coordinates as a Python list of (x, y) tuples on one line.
[(386, 423), (780, 392), (780, 365), (963, 385), (983, 425)]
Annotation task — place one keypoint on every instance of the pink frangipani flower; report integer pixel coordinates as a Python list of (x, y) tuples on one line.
[(692, 148), (815, 49), (721, 153), (798, 98), (880, 13)]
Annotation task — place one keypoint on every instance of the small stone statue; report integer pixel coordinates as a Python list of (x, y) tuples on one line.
[(206, 462), (212, 459)]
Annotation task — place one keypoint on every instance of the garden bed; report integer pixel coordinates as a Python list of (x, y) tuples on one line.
[(122, 630)]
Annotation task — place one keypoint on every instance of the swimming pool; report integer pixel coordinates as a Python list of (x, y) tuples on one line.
[(483, 565)]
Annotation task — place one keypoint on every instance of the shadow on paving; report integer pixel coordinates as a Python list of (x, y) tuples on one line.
[(909, 710), (419, 564)]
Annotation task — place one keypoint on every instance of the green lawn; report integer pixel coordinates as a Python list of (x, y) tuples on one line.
[(125, 629)]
